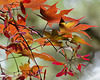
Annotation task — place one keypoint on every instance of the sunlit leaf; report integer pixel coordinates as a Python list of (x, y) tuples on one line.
[(73, 26), (79, 40), (54, 37)]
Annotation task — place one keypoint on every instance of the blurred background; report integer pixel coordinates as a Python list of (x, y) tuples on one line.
[(87, 8)]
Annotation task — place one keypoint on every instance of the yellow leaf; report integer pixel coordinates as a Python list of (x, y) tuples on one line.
[(79, 40)]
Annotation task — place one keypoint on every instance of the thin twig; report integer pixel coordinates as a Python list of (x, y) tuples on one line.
[(13, 57), (44, 28), (10, 58), (49, 41), (27, 46)]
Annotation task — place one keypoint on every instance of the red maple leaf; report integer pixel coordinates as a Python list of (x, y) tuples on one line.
[(65, 72), (83, 57), (79, 66)]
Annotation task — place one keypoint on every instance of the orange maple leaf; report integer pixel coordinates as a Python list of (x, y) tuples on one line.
[(4, 2), (27, 53), (12, 33), (25, 69), (51, 16), (43, 56), (18, 43), (30, 71), (54, 37), (6, 7), (1, 28), (44, 42), (9, 4), (73, 26), (35, 4)]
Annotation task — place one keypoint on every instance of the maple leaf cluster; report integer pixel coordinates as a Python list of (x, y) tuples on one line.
[(20, 37)]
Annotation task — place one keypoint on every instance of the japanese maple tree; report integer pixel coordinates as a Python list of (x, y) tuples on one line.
[(21, 38)]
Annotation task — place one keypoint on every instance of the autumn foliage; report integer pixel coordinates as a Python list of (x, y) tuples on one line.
[(20, 38)]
